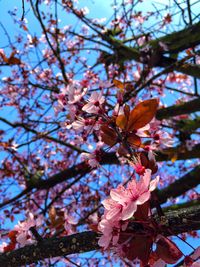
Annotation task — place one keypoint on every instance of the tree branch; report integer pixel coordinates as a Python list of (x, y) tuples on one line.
[(180, 186), (185, 38), (175, 110), (180, 40), (175, 222)]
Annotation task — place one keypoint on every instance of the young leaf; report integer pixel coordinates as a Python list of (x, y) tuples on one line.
[(108, 135), (134, 140), (121, 121), (139, 248), (142, 114), (168, 251), (118, 84), (12, 60)]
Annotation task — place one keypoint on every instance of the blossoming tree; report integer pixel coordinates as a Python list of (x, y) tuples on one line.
[(99, 134)]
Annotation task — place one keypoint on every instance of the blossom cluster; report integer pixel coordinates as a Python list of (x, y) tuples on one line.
[(26, 232), (137, 128), (131, 204), (121, 206)]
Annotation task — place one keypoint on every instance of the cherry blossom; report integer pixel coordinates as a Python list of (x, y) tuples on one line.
[(85, 124), (159, 263), (110, 230), (70, 221), (24, 236), (113, 208), (194, 259), (163, 139), (74, 92), (94, 103), (93, 158), (2, 246), (143, 132), (121, 206), (136, 193)]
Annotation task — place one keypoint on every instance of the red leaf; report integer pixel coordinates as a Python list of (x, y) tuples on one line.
[(142, 212), (148, 164), (52, 215), (123, 86), (9, 247), (168, 251), (108, 135), (121, 121), (94, 227), (118, 84), (12, 235), (142, 114), (139, 247), (12, 60), (134, 140)]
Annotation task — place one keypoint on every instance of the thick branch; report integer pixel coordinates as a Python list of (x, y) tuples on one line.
[(181, 40), (181, 153), (180, 186), (188, 125), (176, 222), (49, 248), (184, 39), (175, 110)]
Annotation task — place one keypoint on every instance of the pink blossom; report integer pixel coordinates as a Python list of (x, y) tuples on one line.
[(139, 169), (196, 264), (163, 139), (119, 195), (121, 206), (110, 230), (136, 75), (196, 254), (84, 124), (196, 258), (94, 103), (2, 54), (118, 110), (137, 193), (74, 92), (85, 10), (14, 146), (94, 218), (92, 158), (24, 236), (141, 41), (95, 157), (69, 223), (139, 19), (113, 209), (78, 124)]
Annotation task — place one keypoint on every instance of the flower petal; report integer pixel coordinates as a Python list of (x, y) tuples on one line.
[(143, 198), (154, 183), (128, 212)]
